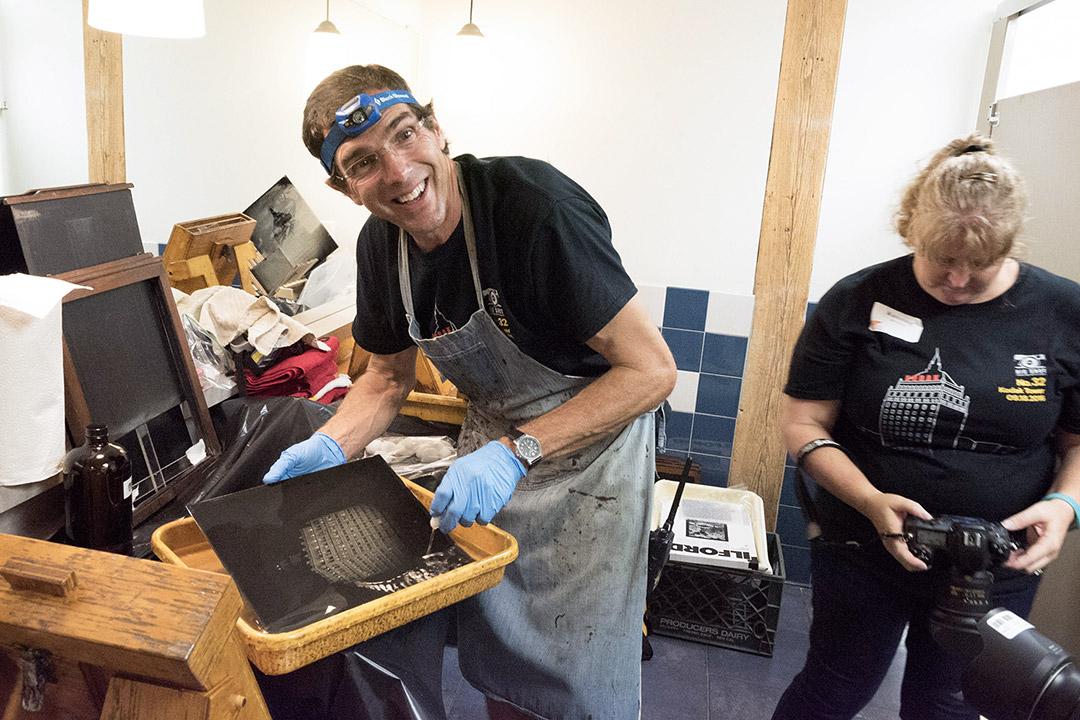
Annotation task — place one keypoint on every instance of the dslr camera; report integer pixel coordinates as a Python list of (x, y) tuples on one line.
[(968, 544), (1011, 671)]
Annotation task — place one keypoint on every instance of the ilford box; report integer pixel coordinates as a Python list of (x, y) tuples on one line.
[(726, 607), (714, 525)]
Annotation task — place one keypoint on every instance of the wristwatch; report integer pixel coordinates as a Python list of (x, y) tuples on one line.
[(527, 447)]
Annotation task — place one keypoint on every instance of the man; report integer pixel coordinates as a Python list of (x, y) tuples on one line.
[(502, 271)]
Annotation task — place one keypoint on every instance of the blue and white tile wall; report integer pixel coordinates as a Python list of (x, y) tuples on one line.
[(708, 333)]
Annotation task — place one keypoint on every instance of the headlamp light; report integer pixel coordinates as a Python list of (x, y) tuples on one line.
[(356, 116)]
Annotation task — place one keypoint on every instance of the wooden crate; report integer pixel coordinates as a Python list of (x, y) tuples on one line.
[(130, 638), (211, 251)]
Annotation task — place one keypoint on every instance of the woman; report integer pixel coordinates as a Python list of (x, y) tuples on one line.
[(943, 382)]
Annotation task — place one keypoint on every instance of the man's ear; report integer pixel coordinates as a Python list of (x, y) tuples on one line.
[(334, 186)]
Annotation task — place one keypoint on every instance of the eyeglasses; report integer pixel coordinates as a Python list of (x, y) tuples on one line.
[(359, 169)]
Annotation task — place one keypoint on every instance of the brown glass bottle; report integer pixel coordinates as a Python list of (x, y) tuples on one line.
[(97, 494)]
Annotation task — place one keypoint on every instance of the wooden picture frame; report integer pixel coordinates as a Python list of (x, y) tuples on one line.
[(55, 230), (127, 365)]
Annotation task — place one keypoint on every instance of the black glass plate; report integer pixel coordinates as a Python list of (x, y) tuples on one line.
[(316, 545)]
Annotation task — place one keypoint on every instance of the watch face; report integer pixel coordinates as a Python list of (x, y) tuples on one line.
[(528, 448)]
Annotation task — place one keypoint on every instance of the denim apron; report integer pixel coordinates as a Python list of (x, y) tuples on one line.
[(560, 636)]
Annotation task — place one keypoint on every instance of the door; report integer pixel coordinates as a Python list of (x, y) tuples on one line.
[(1036, 130)]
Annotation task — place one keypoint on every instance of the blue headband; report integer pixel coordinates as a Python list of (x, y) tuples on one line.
[(356, 116)]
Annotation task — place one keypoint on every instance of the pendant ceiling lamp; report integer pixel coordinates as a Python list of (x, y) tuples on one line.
[(150, 18), (325, 51), (469, 30), (326, 27)]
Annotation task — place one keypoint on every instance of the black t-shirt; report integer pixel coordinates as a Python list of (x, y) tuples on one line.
[(961, 419), (549, 275)]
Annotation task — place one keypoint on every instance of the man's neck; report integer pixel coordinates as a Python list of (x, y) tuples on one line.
[(427, 242)]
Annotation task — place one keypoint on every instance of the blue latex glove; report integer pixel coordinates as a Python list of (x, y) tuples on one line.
[(318, 452), (477, 486)]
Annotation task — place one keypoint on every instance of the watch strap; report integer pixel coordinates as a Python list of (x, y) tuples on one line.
[(515, 436)]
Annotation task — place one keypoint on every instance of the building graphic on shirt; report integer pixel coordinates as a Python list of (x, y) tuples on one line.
[(442, 324), (924, 410)]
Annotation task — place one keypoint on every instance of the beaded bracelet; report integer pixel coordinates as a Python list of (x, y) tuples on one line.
[(1072, 503)]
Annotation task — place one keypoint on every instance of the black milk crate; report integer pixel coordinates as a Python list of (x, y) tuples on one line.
[(730, 608)]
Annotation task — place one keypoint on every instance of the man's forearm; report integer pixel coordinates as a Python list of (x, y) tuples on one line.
[(641, 377), (372, 402), (608, 404)]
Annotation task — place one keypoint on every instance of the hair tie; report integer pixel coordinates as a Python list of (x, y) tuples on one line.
[(973, 149)]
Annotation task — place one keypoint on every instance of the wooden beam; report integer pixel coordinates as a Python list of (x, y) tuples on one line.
[(809, 61), (103, 64)]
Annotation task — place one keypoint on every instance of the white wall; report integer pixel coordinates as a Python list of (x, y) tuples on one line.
[(43, 130), (910, 77), (662, 110), (211, 123)]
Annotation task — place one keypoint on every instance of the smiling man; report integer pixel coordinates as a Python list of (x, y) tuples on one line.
[(503, 272)]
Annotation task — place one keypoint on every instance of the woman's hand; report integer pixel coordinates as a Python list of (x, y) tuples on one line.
[(1046, 523), (887, 512)]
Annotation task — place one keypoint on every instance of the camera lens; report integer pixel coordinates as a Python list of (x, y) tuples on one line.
[(1061, 699), (1021, 674)]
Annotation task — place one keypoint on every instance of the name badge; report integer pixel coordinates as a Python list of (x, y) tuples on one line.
[(893, 322)]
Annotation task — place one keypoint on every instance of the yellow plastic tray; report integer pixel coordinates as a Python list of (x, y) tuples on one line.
[(437, 408), (181, 542)]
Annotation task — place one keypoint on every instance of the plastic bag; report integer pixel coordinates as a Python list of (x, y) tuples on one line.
[(333, 278), (211, 361), (411, 456)]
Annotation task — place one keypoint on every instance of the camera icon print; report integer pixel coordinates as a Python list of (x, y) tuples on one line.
[(1029, 365)]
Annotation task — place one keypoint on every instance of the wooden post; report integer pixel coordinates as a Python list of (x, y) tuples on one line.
[(813, 33), (103, 65)]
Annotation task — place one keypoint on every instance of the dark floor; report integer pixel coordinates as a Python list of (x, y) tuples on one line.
[(690, 681)]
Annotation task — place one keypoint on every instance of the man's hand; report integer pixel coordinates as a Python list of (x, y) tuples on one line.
[(477, 486), (887, 511), (318, 452), (1046, 523)]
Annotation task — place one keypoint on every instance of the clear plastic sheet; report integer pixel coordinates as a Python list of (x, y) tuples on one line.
[(213, 364), (332, 279), (413, 456)]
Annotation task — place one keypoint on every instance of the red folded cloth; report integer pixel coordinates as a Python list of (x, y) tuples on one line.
[(301, 375)]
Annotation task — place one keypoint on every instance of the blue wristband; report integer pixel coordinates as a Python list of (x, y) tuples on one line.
[(1072, 503)]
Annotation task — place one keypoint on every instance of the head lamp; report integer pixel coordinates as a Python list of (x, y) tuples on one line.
[(356, 116)]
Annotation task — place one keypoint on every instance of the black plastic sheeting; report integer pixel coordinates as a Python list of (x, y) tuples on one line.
[(253, 432), (395, 676)]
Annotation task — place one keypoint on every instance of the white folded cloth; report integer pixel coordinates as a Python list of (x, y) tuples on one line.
[(230, 313)]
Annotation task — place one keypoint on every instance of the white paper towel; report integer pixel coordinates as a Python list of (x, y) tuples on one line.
[(31, 378)]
